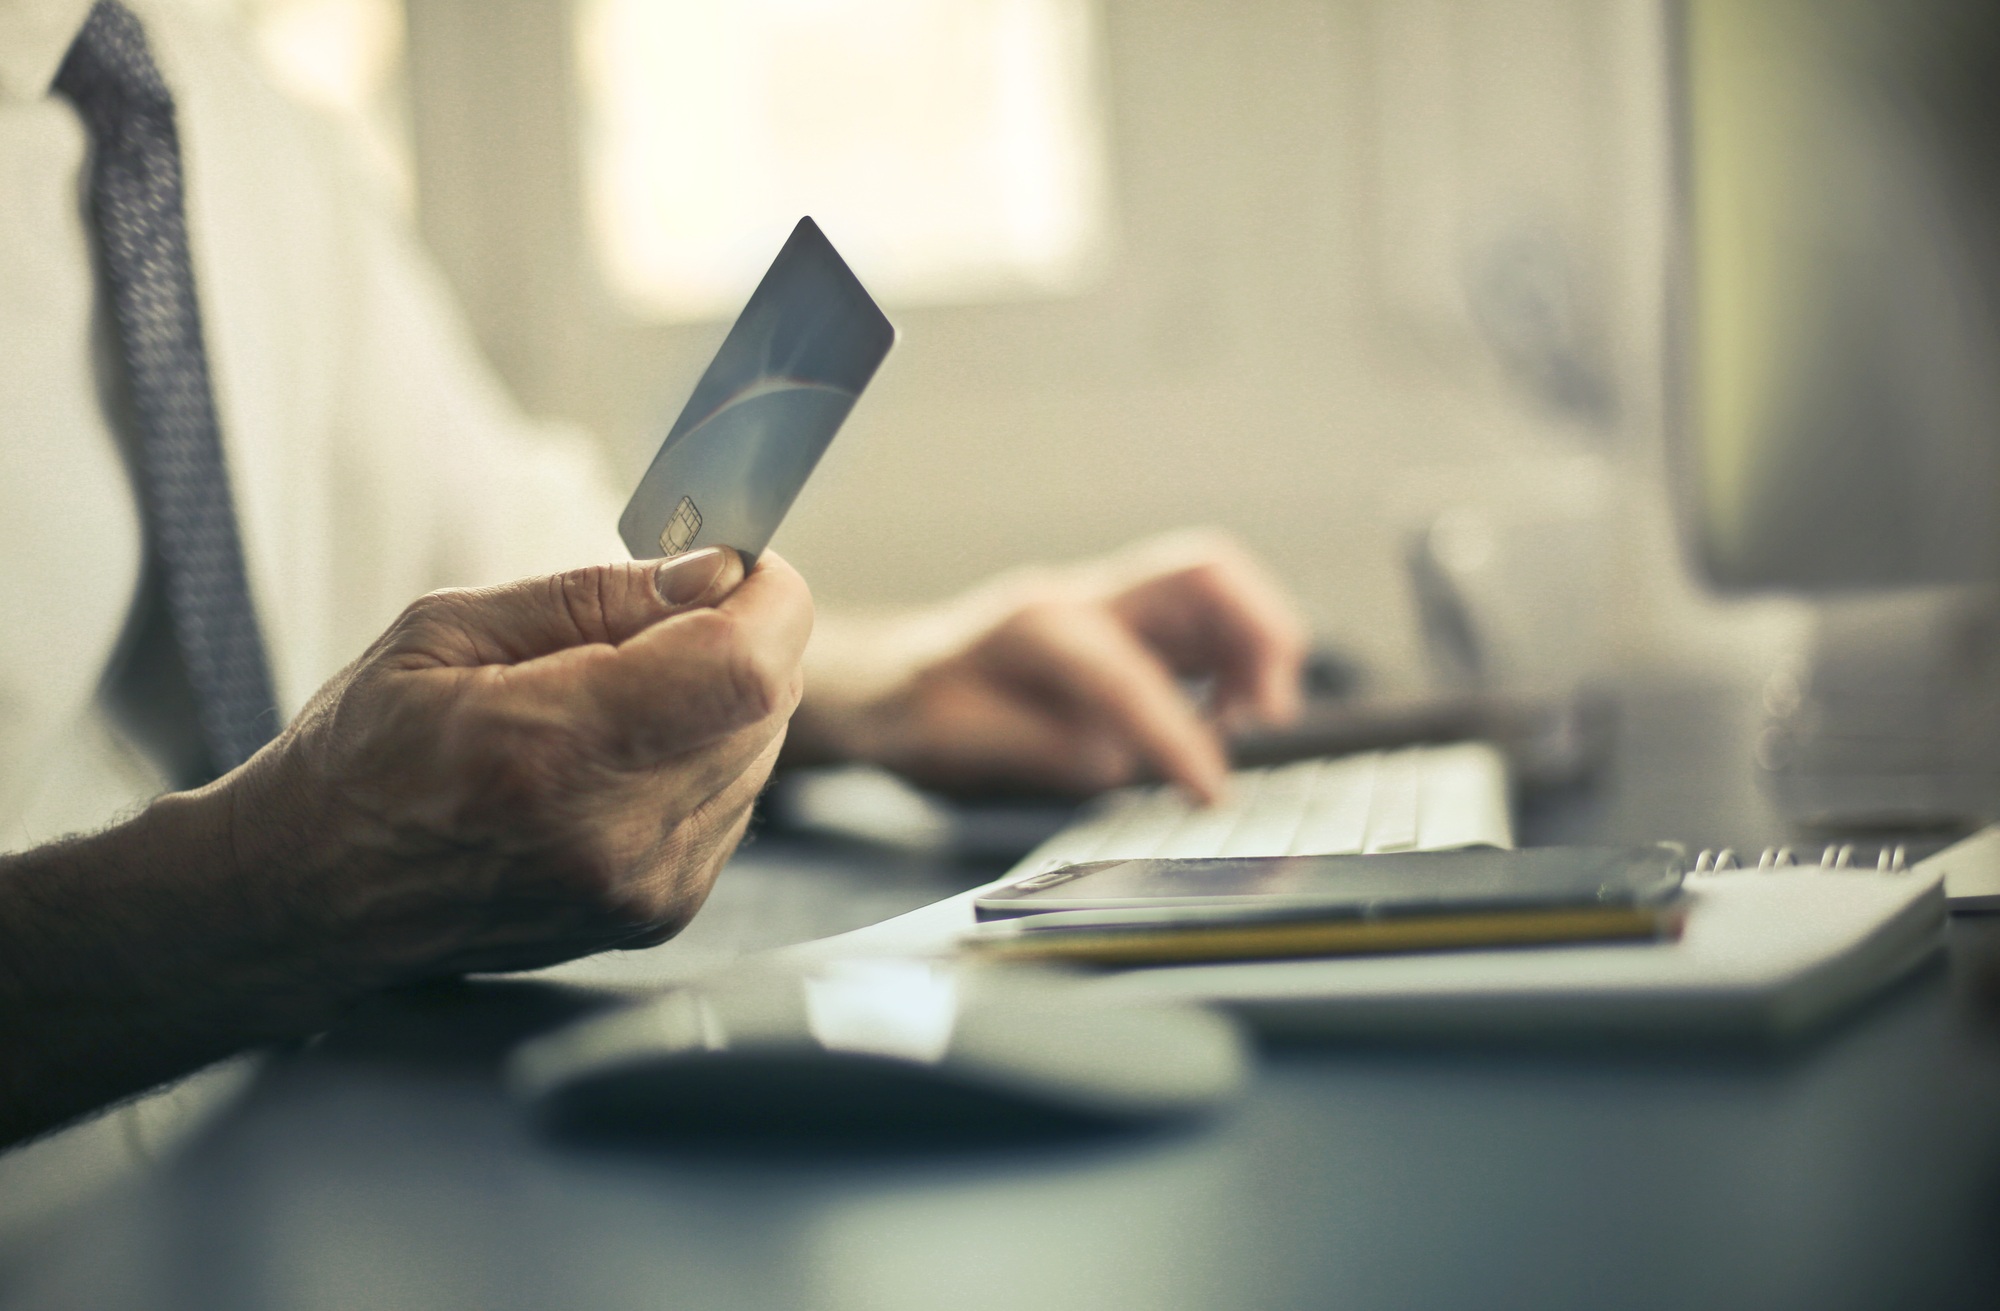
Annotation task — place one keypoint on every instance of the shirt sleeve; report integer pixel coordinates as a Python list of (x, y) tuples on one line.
[(507, 495)]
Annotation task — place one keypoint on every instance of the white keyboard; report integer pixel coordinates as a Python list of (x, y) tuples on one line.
[(1411, 799)]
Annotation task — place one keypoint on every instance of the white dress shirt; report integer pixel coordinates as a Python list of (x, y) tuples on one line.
[(372, 454)]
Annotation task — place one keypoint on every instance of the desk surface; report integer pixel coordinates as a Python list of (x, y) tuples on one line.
[(381, 1168)]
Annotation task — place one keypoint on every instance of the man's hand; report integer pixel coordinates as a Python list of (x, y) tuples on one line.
[(523, 774), (508, 778), (1064, 678)]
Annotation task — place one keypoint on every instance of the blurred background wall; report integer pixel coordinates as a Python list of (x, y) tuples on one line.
[(1312, 270)]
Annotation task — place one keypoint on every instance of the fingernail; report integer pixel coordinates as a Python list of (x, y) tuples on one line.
[(682, 580)]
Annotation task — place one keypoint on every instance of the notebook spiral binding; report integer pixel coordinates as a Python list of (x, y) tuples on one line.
[(1839, 855)]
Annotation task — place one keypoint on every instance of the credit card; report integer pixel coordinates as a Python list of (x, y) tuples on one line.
[(769, 405)]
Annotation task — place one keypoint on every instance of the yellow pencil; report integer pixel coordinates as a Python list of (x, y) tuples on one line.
[(1347, 937)]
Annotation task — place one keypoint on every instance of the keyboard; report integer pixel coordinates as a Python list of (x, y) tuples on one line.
[(1427, 798)]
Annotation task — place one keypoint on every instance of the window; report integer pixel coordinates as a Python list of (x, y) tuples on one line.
[(951, 148)]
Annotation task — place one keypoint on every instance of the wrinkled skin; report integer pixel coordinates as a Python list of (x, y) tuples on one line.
[(518, 775)]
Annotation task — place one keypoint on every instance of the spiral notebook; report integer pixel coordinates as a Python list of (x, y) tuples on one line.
[(1771, 946)]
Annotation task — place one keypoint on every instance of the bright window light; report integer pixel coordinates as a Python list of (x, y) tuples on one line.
[(952, 149)]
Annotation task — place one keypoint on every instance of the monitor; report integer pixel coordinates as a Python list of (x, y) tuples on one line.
[(1836, 325)]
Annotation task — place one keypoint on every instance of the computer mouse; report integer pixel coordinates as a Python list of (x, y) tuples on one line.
[(878, 1047)]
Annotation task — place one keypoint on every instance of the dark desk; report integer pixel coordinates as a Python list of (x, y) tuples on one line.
[(381, 1168)]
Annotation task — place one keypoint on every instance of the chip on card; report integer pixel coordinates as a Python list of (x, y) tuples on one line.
[(765, 411)]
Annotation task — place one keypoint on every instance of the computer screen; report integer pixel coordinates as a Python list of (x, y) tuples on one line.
[(1836, 316)]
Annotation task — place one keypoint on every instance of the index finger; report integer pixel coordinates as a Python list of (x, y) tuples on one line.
[(1083, 656)]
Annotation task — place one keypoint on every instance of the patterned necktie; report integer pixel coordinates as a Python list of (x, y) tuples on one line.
[(135, 189)]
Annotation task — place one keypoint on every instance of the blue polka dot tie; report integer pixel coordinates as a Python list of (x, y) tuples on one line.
[(136, 199)]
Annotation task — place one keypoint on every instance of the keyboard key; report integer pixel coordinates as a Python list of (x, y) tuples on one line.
[(1336, 823), (1270, 822), (1141, 829), (1460, 805), (1392, 815), (1203, 829)]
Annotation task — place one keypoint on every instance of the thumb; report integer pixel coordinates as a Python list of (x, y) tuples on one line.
[(606, 604)]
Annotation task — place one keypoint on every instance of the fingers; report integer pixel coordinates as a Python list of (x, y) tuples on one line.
[(685, 871), (1080, 654), (1208, 608), (973, 739), (689, 679), (533, 617)]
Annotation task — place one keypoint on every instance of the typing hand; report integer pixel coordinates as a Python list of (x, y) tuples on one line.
[(1064, 678), (522, 774)]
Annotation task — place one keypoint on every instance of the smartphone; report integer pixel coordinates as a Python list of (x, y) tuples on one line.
[(788, 373), (1405, 883)]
